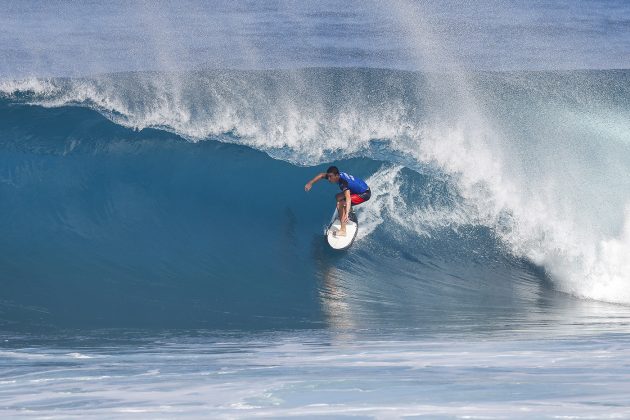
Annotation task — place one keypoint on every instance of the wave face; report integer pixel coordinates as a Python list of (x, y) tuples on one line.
[(180, 200)]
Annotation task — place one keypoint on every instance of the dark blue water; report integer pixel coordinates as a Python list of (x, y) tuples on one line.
[(144, 229), (59, 38)]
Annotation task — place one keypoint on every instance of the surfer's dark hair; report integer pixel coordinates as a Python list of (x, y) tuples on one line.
[(332, 170)]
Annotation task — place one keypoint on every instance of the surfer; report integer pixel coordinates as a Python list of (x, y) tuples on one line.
[(354, 191)]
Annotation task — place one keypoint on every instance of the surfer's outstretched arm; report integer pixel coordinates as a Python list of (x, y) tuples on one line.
[(310, 183)]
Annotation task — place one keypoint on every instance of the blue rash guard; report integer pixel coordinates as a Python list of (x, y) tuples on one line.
[(354, 184)]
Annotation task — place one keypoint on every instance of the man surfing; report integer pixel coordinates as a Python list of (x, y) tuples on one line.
[(353, 191)]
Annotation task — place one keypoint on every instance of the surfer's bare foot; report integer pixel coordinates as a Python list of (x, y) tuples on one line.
[(340, 233)]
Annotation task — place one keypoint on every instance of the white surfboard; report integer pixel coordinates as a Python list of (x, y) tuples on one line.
[(342, 242)]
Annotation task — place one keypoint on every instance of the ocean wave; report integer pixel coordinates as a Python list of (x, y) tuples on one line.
[(540, 159)]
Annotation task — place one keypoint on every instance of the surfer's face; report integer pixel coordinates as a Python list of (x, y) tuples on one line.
[(333, 178)]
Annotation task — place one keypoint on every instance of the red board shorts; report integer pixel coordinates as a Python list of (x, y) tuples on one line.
[(360, 198)]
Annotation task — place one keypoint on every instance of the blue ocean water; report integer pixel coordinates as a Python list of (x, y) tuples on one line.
[(159, 256)]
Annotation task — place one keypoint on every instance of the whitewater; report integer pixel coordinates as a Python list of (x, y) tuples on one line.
[(159, 256)]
